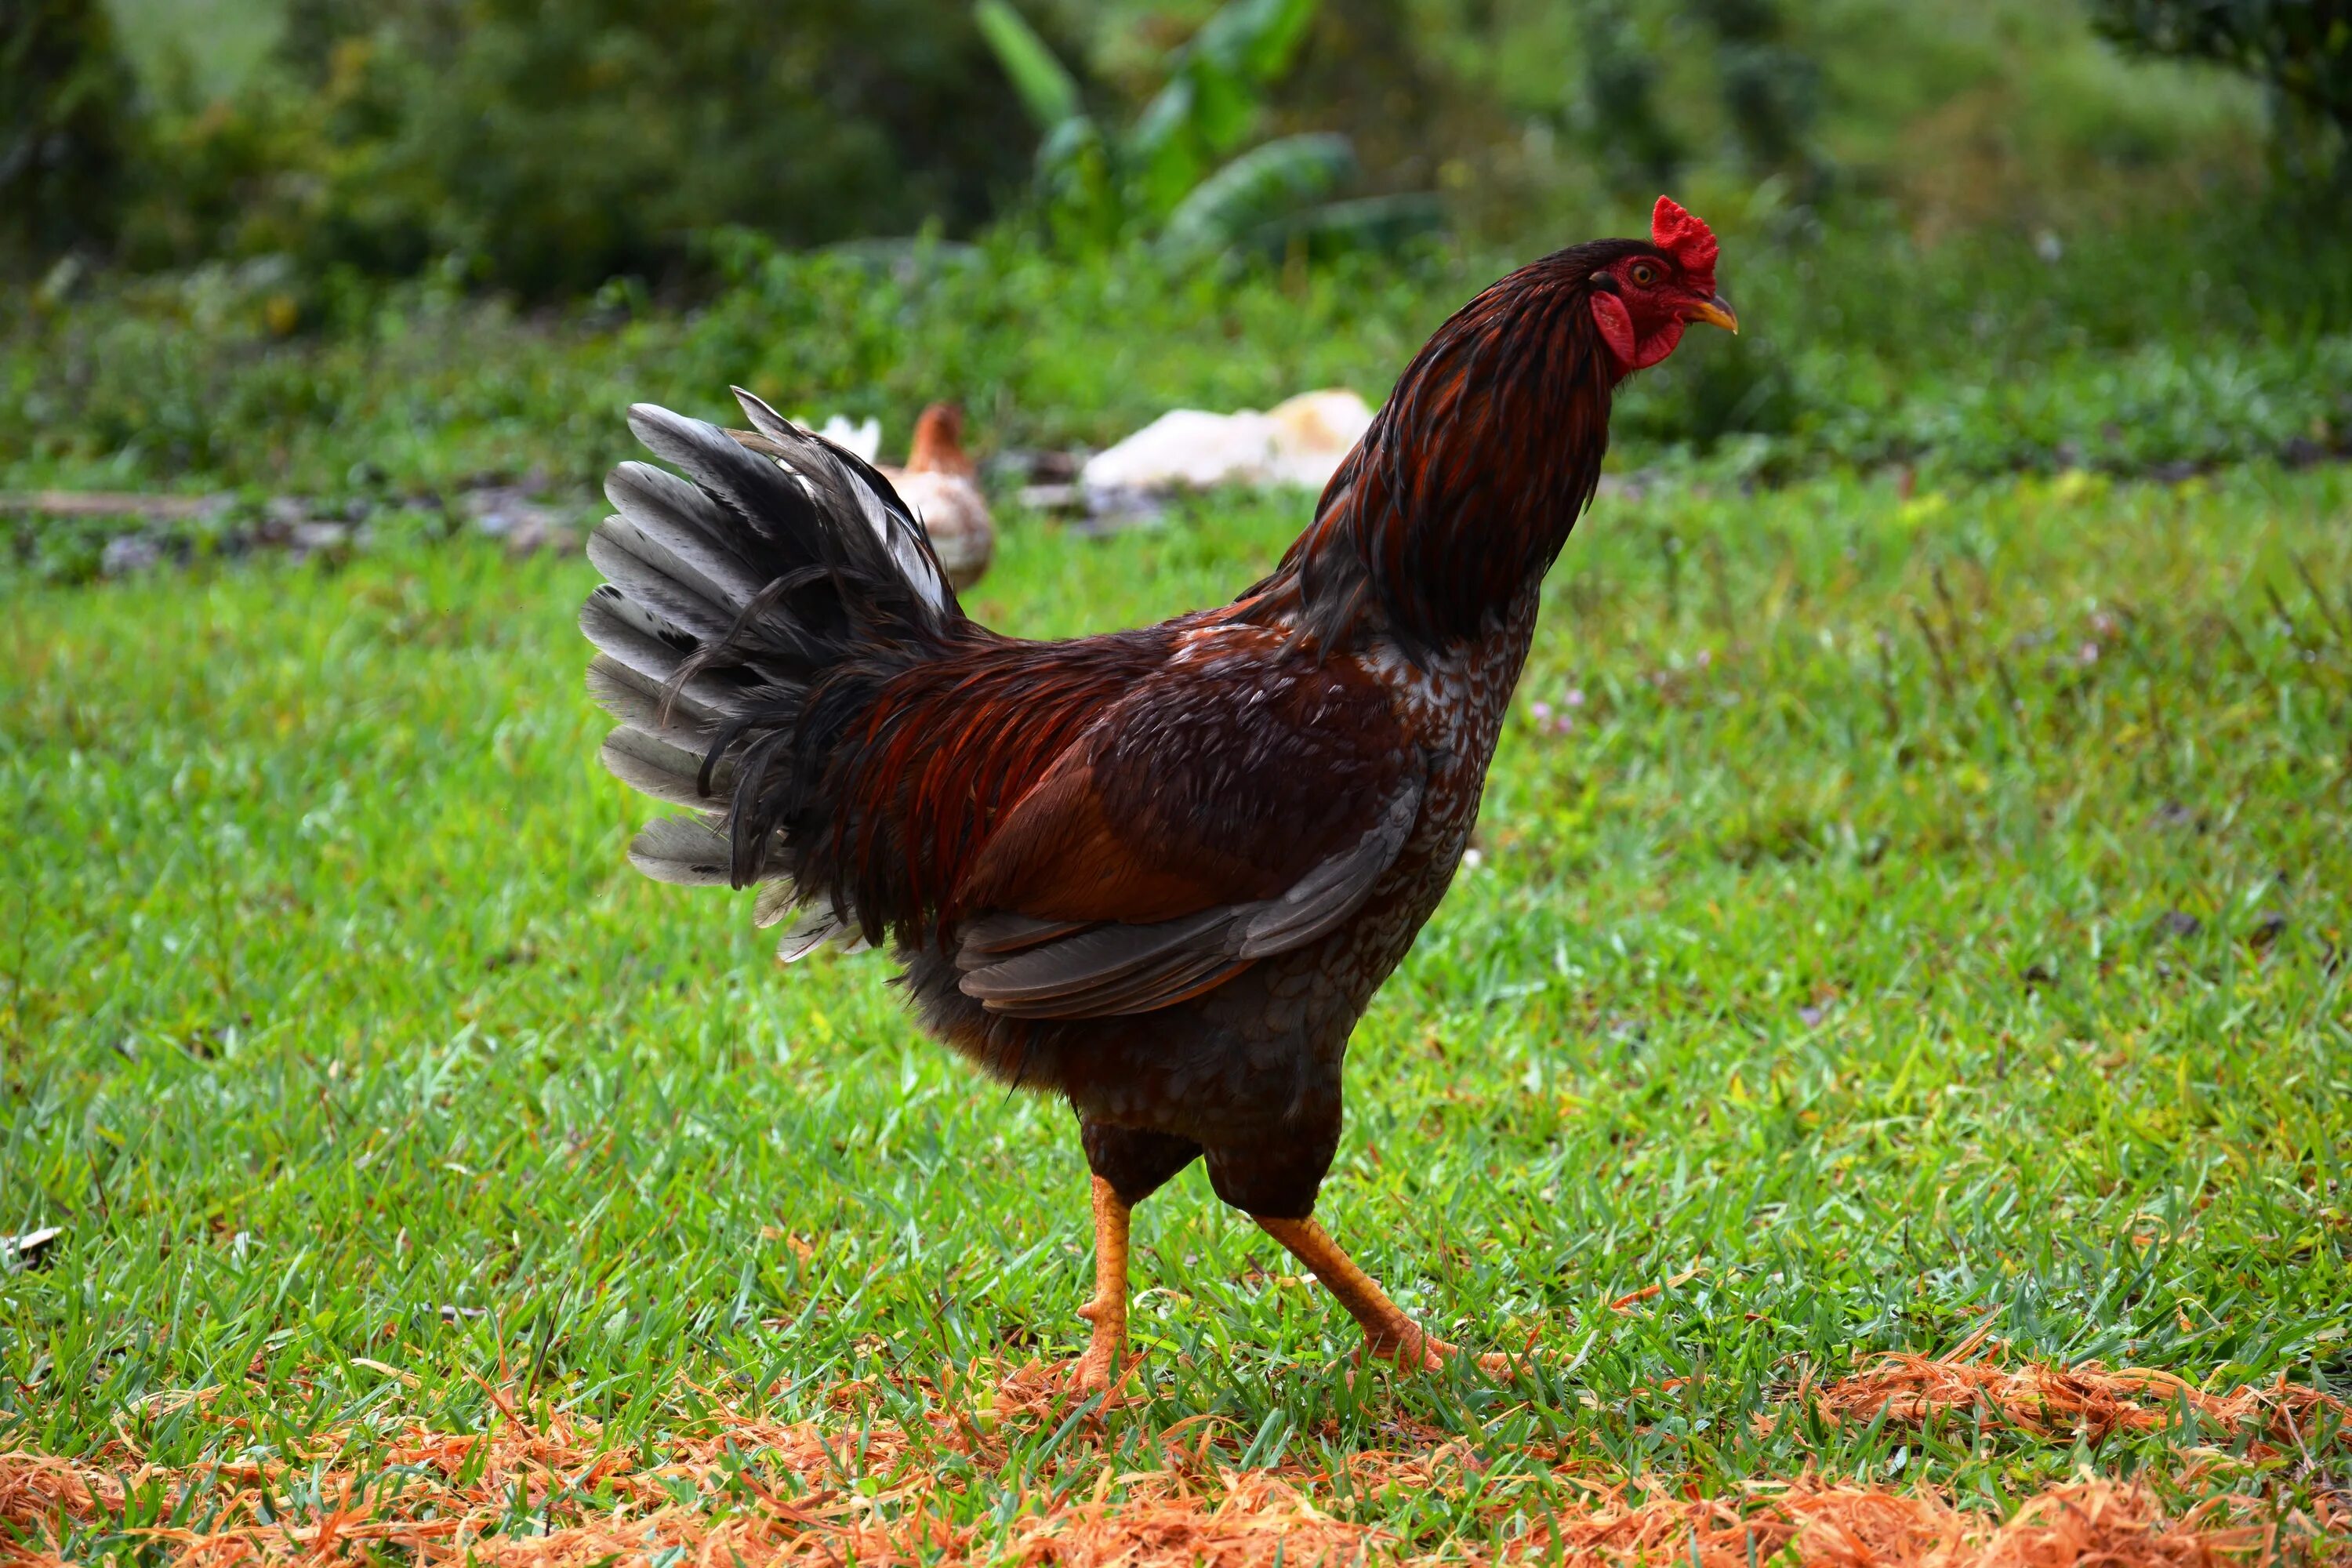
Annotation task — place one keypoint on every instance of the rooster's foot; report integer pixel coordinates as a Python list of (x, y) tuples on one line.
[(1407, 1347), (1104, 1365), (1419, 1351), (1109, 1375), (1389, 1335)]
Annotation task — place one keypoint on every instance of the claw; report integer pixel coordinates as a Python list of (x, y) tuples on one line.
[(1091, 1374)]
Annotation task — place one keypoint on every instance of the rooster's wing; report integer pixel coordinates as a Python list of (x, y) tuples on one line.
[(1239, 802)]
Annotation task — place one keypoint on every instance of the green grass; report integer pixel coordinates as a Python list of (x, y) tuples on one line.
[(1932, 914)]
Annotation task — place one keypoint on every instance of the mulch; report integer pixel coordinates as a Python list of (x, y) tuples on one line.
[(543, 1489)]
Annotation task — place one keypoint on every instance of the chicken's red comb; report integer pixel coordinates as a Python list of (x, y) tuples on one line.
[(1678, 233)]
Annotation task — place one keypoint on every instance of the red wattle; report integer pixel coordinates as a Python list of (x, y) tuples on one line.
[(1630, 351), (1616, 324), (1658, 345)]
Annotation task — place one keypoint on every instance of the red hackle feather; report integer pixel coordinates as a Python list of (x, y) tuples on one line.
[(1467, 485), (1682, 235)]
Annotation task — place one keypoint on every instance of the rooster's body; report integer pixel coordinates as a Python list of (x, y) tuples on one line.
[(1160, 872)]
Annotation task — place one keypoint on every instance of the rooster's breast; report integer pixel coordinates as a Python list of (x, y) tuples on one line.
[(1455, 704)]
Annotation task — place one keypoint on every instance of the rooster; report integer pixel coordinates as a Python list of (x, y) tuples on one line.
[(1160, 873)]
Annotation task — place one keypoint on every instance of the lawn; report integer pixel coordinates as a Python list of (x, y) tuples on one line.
[(1902, 925)]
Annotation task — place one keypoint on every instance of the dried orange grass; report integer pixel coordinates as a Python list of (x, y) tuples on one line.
[(2087, 1521), (858, 1492), (2088, 1400)]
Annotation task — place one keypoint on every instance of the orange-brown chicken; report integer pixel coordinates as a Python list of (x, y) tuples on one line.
[(942, 488), (1159, 873)]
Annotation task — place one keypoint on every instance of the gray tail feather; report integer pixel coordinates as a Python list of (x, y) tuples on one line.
[(726, 592)]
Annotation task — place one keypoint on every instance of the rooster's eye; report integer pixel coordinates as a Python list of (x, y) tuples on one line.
[(1642, 274)]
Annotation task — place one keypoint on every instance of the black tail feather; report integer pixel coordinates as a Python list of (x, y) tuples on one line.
[(734, 595)]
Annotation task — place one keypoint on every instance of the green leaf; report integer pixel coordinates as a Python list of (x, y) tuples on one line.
[(1211, 102), (1047, 90), (1073, 174), (1074, 144), (1165, 118), (1255, 40), (1164, 158), (1265, 184), (1224, 108), (1364, 223)]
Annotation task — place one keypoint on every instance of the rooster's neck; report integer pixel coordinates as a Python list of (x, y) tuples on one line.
[(1460, 496)]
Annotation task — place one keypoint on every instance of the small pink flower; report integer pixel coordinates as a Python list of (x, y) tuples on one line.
[(1705, 657), (1575, 698), (2087, 654)]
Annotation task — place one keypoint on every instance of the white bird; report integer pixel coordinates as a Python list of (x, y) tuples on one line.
[(864, 438), (1298, 442)]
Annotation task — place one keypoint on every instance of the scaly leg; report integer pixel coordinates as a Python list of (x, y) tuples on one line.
[(1099, 1367), (1388, 1332)]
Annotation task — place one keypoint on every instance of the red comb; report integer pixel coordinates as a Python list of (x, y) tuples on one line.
[(1690, 242)]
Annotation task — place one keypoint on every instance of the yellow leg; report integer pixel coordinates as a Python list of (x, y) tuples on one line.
[(1388, 1332), (1099, 1367)]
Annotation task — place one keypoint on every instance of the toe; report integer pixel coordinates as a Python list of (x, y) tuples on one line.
[(1427, 1353), (1092, 1374), (1414, 1351)]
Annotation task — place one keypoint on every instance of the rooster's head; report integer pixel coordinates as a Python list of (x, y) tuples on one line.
[(1642, 301)]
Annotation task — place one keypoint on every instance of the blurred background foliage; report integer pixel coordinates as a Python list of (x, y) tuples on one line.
[(2300, 49), (1180, 171), (547, 146), (349, 244), (68, 110)]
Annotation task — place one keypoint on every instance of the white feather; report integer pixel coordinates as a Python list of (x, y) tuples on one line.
[(621, 551), (622, 692), (677, 525), (766, 420)]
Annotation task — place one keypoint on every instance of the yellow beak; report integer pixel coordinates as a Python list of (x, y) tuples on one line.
[(1717, 310)]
